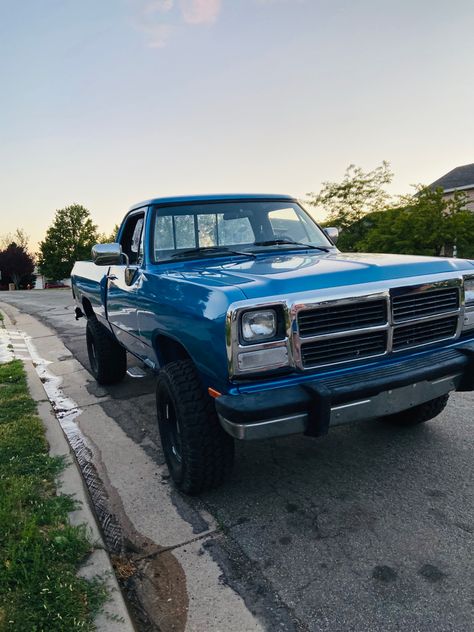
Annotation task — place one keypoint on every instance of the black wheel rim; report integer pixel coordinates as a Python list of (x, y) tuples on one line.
[(171, 428)]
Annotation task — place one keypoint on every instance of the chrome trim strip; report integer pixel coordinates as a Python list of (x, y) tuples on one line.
[(347, 332), (278, 427)]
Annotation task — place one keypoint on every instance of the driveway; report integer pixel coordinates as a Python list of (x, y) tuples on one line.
[(369, 528)]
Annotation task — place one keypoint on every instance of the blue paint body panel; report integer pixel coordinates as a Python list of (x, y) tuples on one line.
[(187, 300)]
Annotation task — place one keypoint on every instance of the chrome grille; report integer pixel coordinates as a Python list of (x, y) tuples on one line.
[(325, 320), (389, 321), (415, 334), (344, 348), (418, 304)]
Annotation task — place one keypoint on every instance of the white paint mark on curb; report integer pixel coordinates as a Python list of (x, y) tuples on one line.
[(65, 409), (16, 344), (6, 347)]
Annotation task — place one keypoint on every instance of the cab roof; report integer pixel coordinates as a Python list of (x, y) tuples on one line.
[(182, 199)]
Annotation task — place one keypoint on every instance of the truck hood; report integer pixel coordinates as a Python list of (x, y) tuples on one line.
[(287, 273)]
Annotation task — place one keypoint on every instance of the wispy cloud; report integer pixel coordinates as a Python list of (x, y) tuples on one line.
[(155, 19), (159, 19), (200, 11)]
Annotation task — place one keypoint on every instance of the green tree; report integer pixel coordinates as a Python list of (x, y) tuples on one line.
[(427, 223), (463, 230), (360, 192), (69, 239)]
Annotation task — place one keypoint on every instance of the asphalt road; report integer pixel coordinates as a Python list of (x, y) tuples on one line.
[(369, 528)]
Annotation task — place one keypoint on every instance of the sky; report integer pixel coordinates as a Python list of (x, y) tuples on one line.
[(112, 102)]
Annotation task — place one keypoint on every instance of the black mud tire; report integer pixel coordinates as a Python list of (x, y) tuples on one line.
[(198, 452), (107, 358), (418, 414)]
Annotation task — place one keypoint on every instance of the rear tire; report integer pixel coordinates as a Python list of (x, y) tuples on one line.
[(198, 452), (107, 358), (419, 414)]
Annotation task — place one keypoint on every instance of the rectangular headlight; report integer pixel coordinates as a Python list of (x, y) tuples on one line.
[(469, 290), (258, 326)]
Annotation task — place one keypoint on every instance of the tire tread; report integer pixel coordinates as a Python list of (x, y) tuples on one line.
[(208, 451), (111, 356)]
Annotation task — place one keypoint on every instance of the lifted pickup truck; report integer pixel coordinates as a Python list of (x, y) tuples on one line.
[(257, 326)]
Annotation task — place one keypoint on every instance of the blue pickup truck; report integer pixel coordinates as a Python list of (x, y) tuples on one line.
[(258, 326)]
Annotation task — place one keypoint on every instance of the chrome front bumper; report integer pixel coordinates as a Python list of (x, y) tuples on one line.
[(312, 406), (385, 403)]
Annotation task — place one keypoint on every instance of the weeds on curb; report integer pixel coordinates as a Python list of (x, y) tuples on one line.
[(40, 551)]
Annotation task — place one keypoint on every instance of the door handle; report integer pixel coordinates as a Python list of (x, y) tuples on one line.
[(112, 277)]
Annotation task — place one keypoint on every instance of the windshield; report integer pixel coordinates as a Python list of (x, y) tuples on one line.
[(253, 226)]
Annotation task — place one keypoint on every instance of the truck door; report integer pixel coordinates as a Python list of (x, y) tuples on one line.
[(123, 283)]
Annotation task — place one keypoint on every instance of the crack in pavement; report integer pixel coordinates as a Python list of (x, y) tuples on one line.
[(173, 547)]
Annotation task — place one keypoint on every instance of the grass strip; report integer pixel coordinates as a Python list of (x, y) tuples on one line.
[(40, 552)]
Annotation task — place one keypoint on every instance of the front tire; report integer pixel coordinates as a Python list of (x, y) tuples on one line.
[(107, 358), (419, 414), (198, 452)]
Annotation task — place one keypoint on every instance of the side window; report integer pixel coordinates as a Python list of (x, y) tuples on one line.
[(137, 245), (132, 238)]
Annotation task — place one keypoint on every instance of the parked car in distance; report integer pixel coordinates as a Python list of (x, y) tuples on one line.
[(49, 285), (257, 326)]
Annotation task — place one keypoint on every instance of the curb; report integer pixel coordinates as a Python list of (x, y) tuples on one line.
[(114, 616)]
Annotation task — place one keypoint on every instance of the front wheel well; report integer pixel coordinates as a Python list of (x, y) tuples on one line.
[(169, 350)]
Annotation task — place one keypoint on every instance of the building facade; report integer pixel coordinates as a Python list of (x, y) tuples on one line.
[(459, 179)]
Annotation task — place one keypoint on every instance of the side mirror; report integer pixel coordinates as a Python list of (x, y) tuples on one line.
[(332, 233), (107, 254)]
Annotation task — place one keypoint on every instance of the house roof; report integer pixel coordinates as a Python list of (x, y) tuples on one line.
[(458, 178)]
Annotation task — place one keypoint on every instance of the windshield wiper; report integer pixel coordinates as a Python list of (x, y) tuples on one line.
[(203, 250), (290, 242)]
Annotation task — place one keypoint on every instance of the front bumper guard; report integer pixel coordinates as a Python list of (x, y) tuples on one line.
[(311, 407)]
